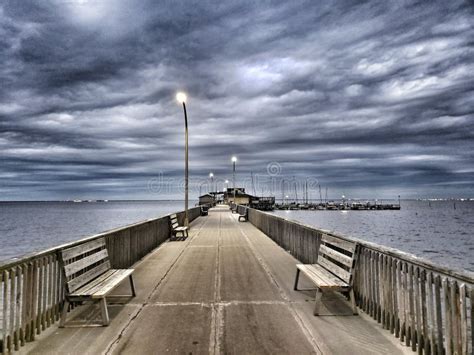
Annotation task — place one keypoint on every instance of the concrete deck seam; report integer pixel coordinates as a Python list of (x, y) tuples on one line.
[(215, 304), (115, 341), (223, 303), (216, 314), (201, 246), (303, 326)]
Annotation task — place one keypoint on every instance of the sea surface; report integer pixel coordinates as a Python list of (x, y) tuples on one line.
[(440, 231), (26, 227)]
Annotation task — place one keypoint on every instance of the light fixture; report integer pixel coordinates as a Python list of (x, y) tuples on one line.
[(181, 97)]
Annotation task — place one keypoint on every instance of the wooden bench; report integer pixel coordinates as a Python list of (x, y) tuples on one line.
[(176, 228), (88, 276), (204, 210), (334, 270), (244, 216)]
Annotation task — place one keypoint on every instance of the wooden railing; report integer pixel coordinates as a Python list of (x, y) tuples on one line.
[(428, 307), (31, 288)]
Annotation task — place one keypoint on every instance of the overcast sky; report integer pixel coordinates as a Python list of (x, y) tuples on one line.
[(370, 99)]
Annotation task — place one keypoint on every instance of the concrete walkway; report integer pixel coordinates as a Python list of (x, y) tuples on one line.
[(227, 289)]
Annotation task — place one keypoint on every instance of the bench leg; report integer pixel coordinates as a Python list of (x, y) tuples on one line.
[(132, 285), (62, 320), (105, 313), (296, 279), (317, 303), (353, 302)]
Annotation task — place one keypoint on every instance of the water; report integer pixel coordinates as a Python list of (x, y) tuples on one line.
[(438, 232), (433, 230), (26, 227)]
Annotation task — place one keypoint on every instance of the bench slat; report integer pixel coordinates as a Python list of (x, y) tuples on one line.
[(327, 279), (341, 243), (88, 276), (87, 289), (85, 262), (334, 254), (335, 269), (73, 252), (321, 277), (111, 283)]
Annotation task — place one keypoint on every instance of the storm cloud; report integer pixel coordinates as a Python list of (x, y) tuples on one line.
[(370, 99)]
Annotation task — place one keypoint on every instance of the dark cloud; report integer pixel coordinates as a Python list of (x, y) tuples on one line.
[(366, 98)]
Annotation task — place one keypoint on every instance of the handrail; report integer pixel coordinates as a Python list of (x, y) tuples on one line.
[(464, 275), (31, 288), (428, 307)]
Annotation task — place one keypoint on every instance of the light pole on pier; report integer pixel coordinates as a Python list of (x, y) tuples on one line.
[(181, 97), (200, 187), (234, 160), (211, 175)]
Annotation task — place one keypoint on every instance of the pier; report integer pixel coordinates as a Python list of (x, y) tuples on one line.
[(228, 288)]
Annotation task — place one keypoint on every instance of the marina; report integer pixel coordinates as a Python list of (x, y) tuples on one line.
[(338, 206), (269, 203)]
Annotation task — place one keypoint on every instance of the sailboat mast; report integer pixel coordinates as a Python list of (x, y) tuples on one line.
[(296, 191)]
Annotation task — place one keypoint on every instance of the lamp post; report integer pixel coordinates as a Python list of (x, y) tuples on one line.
[(234, 160), (211, 175), (226, 191), (200, 187), (181, 97)]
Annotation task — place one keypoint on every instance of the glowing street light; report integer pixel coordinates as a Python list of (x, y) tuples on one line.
[(181, 97)]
